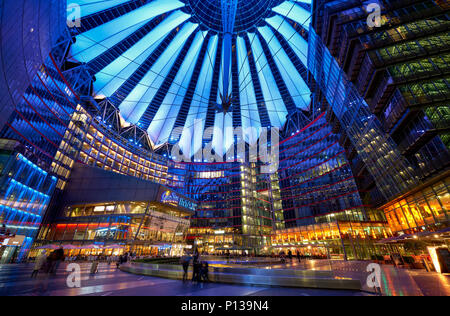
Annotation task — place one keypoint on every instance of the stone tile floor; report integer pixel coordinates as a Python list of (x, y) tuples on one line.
[(395, 281), (15, 281)]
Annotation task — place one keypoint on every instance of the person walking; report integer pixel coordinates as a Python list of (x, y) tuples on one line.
[(57, 257), (51, 261), (125, 258), (185, 261), (39, 264), (94, 266), (119, 261), (205, 271), (196, 257), (298, 257), (283, 257), (290, 255), (197, 270)]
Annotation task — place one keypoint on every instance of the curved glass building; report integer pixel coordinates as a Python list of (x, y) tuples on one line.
[(28, 31)]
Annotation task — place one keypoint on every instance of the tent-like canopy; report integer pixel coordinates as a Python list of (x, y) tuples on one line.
[(197, 64)]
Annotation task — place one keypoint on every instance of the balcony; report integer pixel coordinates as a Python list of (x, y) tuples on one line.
[(397, 108), (357, 57), (417, 140), (383, 92), (440, 162), (414, 142), (365, 74)]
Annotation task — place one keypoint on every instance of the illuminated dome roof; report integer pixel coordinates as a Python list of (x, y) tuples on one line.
[(249, 14), (196, 64)]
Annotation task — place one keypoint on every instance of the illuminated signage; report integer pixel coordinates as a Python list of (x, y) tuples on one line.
[(174, 199), (171, 198), (188, 204), (16, 241), (106, 233)]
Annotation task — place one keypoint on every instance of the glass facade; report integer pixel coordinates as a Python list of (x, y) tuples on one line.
[(41, 118), (235, 213), (139, 227), (25, 191), (388, 90), (395, 82), (92, 141), (337, 240), (393, 174), (316, 180), (323, 211), (424, 210)]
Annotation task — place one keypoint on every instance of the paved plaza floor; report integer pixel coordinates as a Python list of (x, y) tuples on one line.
[(394, 281), (15, 280)]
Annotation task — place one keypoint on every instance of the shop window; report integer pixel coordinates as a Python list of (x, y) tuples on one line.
[(393, 221), (416, 213), (424, 209), (443, 195), (434, 204), (80, 232)]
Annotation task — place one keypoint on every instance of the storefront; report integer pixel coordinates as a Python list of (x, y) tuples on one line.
[(11, 247), (97, 218), (424, 209), (424, 250), (146, 229), (340, 240)]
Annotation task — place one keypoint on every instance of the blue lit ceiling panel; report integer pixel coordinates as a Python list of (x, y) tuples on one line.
[(197, 64), (90, 7)]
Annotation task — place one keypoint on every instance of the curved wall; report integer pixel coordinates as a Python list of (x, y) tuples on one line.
[(28, 30)]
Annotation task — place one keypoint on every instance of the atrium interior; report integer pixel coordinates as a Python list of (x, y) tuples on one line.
[(310, 138)]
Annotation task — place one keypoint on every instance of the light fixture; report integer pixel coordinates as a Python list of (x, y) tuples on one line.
[(434, 258)]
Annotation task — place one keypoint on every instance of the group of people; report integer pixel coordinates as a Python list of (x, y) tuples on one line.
[(123, 259), (290, 255), (200, 271), (48, 263)]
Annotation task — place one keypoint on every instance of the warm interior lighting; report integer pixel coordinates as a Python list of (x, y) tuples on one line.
[(434, 257)]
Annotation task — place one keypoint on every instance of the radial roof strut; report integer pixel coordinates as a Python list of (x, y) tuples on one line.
[(229, 9)]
